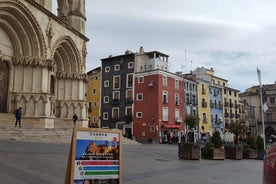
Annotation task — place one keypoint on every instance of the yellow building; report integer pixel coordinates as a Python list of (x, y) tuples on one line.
[(205, 126), (94, 97)]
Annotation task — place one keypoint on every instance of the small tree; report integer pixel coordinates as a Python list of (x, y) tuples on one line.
[(237, 129), (216, 139), (192, 122)]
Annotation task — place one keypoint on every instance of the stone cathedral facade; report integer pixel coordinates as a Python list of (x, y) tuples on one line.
[(43, 60)]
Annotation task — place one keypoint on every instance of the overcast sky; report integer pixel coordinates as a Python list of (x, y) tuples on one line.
[(232, 36)]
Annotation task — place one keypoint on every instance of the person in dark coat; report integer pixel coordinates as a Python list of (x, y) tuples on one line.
[(75, 119), (18, 113)]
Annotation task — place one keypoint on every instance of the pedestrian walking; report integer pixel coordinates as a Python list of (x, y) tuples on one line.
[(18, 113), (75, 119)]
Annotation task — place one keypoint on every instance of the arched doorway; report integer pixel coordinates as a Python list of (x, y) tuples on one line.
[(4, 78), (268, 132)]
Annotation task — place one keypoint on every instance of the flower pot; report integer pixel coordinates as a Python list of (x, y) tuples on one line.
[(249, 154), (213, 153), (187, 150), (233, 152)]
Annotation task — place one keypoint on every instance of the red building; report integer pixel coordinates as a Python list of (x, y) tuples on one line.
[(159, 107)]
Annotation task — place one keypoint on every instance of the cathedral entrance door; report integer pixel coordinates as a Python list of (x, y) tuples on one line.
[(4, 75)]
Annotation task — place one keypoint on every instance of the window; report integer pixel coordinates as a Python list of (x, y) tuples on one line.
[(116, 82), (107, 69), (115, 113), (139, 115), (106, 99), (52, 84), (165, 97), (116, 94), (176, 85), (116, 67), (90, 107), (165, 113), (152, 128), (139, 96), (177, 114), (105, 116), (128, 111), (140, 79), (176, 99), (204, 118), (129, 80), (94, 91), (130, 65), (129, 93), (272, 100), (165, 81), (106, 83)]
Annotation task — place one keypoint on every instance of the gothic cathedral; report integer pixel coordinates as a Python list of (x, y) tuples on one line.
[(43, 60)]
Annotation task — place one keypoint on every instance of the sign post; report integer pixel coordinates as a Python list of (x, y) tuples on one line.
[(95, 157)]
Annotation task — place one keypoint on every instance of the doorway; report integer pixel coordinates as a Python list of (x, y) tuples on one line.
[(4, 76)]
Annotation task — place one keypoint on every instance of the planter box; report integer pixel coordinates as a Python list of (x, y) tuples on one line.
[(249, 154), (214, 154), (189, 151), (233, 152)]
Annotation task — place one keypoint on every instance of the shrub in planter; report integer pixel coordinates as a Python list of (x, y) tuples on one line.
[(248, 152), (233, 151), (260, 143), (214, 150), (189, 150)]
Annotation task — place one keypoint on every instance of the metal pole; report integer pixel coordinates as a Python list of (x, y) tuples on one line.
[(262, 109)]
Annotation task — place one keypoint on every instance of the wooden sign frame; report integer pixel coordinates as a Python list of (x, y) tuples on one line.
[(95, 157)]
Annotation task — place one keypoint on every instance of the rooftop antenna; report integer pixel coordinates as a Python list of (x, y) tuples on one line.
[(185, 59)]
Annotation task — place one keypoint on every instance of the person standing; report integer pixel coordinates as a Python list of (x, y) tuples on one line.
[(18, 113), (75, 119)]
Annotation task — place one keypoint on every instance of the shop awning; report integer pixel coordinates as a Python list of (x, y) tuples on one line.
[(173, 126)]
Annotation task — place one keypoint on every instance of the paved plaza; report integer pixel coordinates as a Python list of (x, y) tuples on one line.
[(42, 163)]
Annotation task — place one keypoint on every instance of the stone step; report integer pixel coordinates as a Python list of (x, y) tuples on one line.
[(29, 131)]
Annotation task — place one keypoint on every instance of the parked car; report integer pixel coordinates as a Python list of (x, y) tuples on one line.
[(269, 170)]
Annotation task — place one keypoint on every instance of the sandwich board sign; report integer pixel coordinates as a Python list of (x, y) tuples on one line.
[(95, 157)]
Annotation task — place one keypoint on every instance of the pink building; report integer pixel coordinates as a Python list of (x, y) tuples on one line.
[(159, 107)]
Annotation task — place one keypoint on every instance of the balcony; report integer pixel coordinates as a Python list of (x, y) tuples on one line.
[(115, 101), (226, 115), (236, 106), (178, 120), (128, 118), (232, 115), (204, 104), (226, 104), (231, 105), (114, 119), (129, 100), (203, 91)]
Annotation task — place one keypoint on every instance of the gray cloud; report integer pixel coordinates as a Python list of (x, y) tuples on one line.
[(234, 37)]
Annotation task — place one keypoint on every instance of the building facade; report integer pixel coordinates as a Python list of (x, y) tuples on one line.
[(158, 109), (94, 97), (43, 60), (252, 97), (117, 92)]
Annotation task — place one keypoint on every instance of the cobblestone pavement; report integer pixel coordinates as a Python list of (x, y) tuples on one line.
[(33, 163)]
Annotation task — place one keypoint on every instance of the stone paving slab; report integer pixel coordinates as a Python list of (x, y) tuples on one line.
[(45, 163)]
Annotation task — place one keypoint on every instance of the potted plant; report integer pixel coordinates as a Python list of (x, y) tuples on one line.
[(190, 149), (237, 129), (250, 148), (214, 150), (233, 151)]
